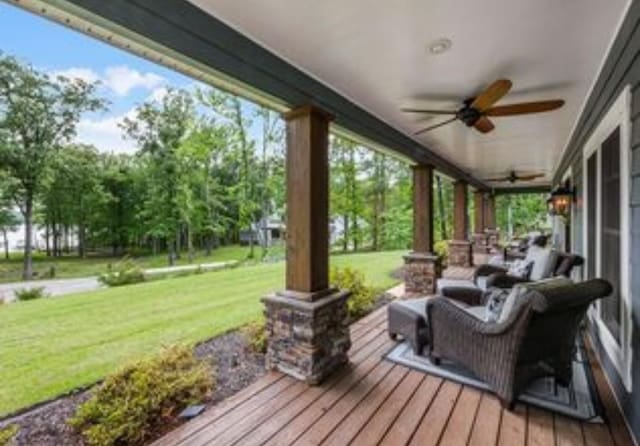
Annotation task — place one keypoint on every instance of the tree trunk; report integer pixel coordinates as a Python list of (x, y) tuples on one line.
[(67, 244), (27, 270), (189, 244), (47, 235), (82, 252), (178, 245), (345, 233), (6, 244)]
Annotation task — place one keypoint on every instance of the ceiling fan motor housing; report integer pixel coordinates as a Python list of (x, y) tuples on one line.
[(468, 115)]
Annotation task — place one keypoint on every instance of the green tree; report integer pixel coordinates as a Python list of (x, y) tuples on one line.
[(160, 129), (37, 116), (9, 222)]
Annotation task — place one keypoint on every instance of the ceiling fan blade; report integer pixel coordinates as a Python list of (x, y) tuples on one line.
[(524, 108), (530, 177), (435, 126), (433, 112), (491, 95), (484, 124), (496, 180)]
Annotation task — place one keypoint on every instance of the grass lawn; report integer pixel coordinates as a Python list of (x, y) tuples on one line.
[(71, 265), (51, 346)]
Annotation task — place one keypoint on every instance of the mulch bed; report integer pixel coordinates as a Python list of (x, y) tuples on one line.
[(236, 367)]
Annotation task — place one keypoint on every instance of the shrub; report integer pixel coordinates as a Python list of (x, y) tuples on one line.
[(441, 248), (133, 404), (7, 434), (256, 335), (30, 293), (125, 272), (362, 298)]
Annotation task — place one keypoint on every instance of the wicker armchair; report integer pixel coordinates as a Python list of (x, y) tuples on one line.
[(500, 278), (537, 339)]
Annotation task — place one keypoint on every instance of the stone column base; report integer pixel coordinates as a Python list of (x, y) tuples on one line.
[(309, 338), (493, 238), (480, 243), (421, 272), (460, 253)]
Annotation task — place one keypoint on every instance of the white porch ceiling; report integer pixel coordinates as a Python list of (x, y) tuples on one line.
[(375, 53)]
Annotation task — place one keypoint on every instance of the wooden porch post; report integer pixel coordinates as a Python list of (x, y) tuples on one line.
[(460, 246), (480, 237), (422, 266), (490, 220), (307, 324), (422, 209)]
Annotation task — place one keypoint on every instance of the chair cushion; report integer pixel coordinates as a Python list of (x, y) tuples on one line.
[(415, 305), (544, 260), (477, 311), (521, 268)]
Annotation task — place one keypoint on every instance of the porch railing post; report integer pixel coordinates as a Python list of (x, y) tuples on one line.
[(422, 266), (307, 323)]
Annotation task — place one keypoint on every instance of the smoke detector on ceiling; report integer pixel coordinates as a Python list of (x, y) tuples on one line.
[(439, 46)]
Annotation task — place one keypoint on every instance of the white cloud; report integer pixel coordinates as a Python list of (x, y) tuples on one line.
[(158, 94), (85, 74), (123, 79), (119, 79), (105, 134)]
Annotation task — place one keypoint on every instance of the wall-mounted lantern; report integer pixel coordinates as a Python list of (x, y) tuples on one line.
[(559, 201)]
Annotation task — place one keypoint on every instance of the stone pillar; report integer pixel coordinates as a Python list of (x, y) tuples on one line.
[(307, 324), (460, 253), (480, 239), (422, 266)]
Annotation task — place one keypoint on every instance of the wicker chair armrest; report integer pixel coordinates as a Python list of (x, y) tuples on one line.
[(487, 270), (469, 296), (503, 280)]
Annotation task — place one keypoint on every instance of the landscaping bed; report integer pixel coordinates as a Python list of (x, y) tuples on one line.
[(235, 364)]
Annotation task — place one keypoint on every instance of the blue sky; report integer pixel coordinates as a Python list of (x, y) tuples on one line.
[(126, 80)]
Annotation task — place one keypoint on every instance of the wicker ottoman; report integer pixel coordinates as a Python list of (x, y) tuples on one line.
[(407, 318)]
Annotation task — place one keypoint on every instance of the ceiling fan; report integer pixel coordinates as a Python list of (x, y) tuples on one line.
[(475, 112), (513, 177)]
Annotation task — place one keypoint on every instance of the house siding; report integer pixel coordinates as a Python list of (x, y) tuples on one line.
[(621, 68)]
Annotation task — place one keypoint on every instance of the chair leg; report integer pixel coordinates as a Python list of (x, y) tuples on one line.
[(508, 405)]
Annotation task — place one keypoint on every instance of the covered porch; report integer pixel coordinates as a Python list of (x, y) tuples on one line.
[(328, 382)]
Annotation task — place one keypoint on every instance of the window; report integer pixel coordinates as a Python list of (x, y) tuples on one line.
[(606, 230)]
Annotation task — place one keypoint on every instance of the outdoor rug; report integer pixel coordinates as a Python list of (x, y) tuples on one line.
[(580, 400)]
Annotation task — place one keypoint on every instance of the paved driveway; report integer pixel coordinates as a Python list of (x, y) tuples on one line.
[(59, 287)]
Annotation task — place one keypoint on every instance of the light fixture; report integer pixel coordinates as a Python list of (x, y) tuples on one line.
[(559, 201), (440, 46)]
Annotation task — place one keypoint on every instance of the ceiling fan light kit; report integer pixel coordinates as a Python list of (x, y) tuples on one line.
[(475, 112)]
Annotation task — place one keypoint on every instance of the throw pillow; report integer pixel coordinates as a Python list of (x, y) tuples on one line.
[(495, 299), (521, 268), (543, 262), (510, 302)]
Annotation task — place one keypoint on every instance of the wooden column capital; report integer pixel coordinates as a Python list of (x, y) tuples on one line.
[(307, 172), (423, 208)]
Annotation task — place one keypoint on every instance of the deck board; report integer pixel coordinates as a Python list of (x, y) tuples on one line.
[(372, 401)]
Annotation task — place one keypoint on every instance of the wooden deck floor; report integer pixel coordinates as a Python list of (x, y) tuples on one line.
[(373, 401)]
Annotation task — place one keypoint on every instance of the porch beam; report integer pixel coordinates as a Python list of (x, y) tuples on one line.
[(490, 212)]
